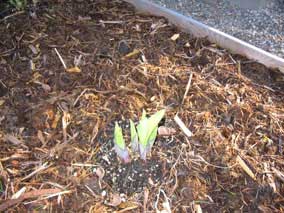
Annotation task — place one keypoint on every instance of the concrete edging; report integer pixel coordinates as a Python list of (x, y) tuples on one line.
[(198, 29)]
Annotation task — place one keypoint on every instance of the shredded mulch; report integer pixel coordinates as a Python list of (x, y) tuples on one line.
[(57, 122)]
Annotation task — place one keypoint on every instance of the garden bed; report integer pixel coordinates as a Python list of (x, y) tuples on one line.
[(57, 123)]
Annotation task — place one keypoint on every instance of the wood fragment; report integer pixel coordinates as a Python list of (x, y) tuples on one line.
[(19, 193), (197, 208), (37, 170), (132, 54), (278, 174), (33, 194), (187, 87), (182, 126), (166, 131), (73, 70), (145, 200), (245, 167), (15, 141), (175, 37)]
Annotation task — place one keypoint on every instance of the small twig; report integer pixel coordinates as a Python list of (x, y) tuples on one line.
[(36, 193), (111, 22), (83, 165), (187, 88), (61, 59), (41, 168), (278, 174), (157, 200), (50, 196), (65, 122), (216, 166), (78, 98), (9, 16), (244, 166), (19, 193), (145, 201)]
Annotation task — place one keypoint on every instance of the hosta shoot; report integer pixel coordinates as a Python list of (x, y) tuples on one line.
[(18, 4), (142, 136), (147, 132), (119, 144)]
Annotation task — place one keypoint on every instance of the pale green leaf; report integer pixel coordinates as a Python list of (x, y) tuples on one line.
[(142, 130), (147, 132), (155, 119), (143, 114), (118, 137), (152, 137)]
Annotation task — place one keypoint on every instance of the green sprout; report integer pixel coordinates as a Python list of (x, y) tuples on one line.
[(18, 4), (147, 132), (119, 144), (142, 136)]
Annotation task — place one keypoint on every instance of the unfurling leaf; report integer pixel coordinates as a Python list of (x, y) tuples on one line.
[(142, 137), (155, 119), (134, 137), (143, 114), (147, 132), (142, 131), (119, 144), (152, 138)]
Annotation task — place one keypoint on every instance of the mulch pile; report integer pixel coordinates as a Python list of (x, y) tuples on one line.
[(70, 69)]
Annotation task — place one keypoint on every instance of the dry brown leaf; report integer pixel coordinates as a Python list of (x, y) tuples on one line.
[(100, 172), (127, 209), (40, 137), (13, 140), (55, 121), (115, 200), (245, 167), (128, 205), (45, 87), (73, 70), (166, 131)]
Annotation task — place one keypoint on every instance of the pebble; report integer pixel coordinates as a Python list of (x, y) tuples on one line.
[(103, 193)]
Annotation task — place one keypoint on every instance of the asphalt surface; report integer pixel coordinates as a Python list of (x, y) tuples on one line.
[(259, 22)]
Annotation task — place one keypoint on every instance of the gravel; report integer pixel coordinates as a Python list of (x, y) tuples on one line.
[(259, 22)]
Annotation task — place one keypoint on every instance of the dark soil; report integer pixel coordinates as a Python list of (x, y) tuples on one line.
[(132, 177), (56, 124)]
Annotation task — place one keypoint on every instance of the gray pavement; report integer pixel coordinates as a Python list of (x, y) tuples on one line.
[(259, 22)]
